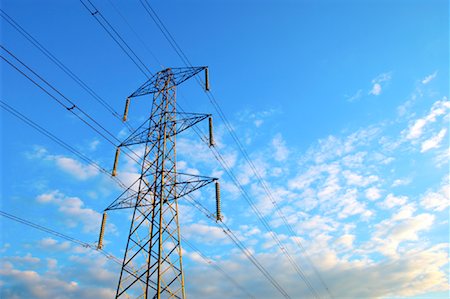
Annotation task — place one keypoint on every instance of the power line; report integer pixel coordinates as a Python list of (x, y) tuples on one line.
[(217, 267), (254, 261), (57, 140), (59, 235), (71, 106), (135, 33), (250, 256), (116, 37), (44, 229), (58, 62), (259, 215), (161, 27)]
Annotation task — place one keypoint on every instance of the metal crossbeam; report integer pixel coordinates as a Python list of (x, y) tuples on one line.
[(185, 184), (176, 76), (143, 135)]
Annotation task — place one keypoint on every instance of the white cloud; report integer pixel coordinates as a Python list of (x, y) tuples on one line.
[(52, 263), (354, 160), (329, 189), (358, 180), (308, 200), (71, 166), (204, 233), (437, 201), (442, 157), (404, 212), (258, 122), (75, 168), (416, 129), (317, 224), (50, 244), (356, 96), (94, 144), (246, 173), (439, 108), (434, 141), (55, 280), (28, 259), (392, 201), (373, 193), (38, 152), (348, 205), (391, 233), (345, 241), (429, 78), (376, 87), (257, 118), (384, 77), (401, 182), (73, 209), (281, 152), (305, 179)]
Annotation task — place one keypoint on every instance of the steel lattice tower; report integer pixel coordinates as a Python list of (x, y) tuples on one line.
[(152, 264)]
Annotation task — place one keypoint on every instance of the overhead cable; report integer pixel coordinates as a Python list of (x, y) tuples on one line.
[(57, 140), (105, 24), (58, 62), (65, 102)]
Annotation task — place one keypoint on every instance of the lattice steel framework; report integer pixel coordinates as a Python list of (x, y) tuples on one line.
[(152, 263)]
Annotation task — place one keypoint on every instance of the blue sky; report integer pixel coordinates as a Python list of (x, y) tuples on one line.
[(341, 105)]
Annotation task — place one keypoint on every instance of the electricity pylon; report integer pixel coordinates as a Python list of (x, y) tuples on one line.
[(152, 263)]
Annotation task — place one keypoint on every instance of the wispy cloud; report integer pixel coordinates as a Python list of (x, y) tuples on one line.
[(437, 200), (434, 141), (429, 78), (401, 182), (439, 108), (69, 165), (94, 144), (391, 233), (392, 201), (377, 83), (280, 150), (73, 209), (373, 193), (75, 168), (356, 96), (376, 89)]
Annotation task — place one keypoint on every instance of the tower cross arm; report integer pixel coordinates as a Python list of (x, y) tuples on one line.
[(175, 75), (185, 184), (188, 183), (147, 134)]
